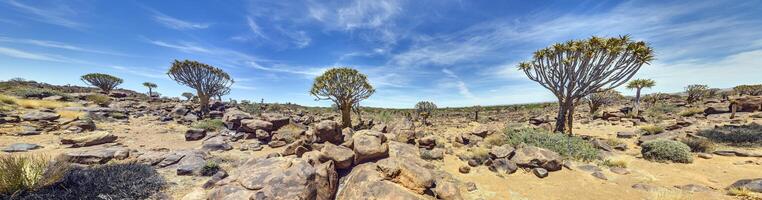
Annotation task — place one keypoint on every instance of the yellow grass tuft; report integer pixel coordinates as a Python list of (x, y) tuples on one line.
[(741, 192), (615, 163), (33, 104), (668, 194), (8, 100), (70, 114)]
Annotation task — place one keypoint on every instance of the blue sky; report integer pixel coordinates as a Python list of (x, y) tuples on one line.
[(454, 53)]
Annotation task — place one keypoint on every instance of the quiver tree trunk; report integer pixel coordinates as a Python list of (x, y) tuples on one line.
[(636, 108), (346, 116)]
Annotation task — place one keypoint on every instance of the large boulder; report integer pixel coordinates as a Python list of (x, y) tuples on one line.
[(217, 143), (341, 156), (194, 134), (21, 147), (365, 182), (95, 138), (277, 120), (532, 157), (328, 131), (252, 125), (191, 163), (409, 174), (288, 133), (40, 116), (369, 145), (232, 118), (754, 185), (96, 156)]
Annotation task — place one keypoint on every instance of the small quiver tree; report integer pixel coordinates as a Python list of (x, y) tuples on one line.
[(696, 92), (424, 110), (208, 81), (103, 81), (188, 96), (345, 87), (600, 99), (638, 85), (150, 87)]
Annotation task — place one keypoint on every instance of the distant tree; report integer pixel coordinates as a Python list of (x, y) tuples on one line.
[(222, 92), (574, 69), (345, 87), (602, 98), (103, 81), (752, 90), (653, 98), (208, 81), (476, 110), (696, 92), (188, 95), (638, 85), (150, 87), (424, 110)]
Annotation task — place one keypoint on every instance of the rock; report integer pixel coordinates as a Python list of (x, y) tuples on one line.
[(192, 163), (433, 154), (288, 133), (369, 145), (693, 188), (96, 156), (117, 94), (293, 148), (281, 178), (704, 155), (471, 186), (504, 166), (532, 157), (599, 175), (621, 147), (276, 144), (341, 156), (600, 144), (81, 125), (645, 187), (619, 170), (229, 192), (54, 98), (446, 190), (409, 174), (428, 142), (589, 168), (464, 169), (95, 138), (277, 120), (40, 116), (252, 125), (754, 185), (540, 172), (232, 118), (194, 134), (21, 147), (364, 182), (505, 151), (217, 143), (28, 130), (326, 180), (328, 131)]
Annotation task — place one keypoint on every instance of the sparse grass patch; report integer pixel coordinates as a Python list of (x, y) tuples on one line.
[(666, 150), (739, 192), (209, 124), (614, 142), (70, 114), (743, 136), (479, 154), (614, 163), (495, 140), (34, 104), (99, 99), (7, 100), (210, 168), (659, 111), (651, 129), (699, 145), (566, 146), (39, 93), (690, 112), (20, 173)]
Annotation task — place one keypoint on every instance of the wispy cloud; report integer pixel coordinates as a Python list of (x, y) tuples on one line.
[(462, 87), (57, 45), (175, 23), (37, 56), (254, 27), (59, 15), (187, 47)]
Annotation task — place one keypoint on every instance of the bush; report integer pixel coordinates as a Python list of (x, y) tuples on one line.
[(27, 173), (479, 154), (39, 93), (7, 100), (614, 163), (699, 145), (210, 168), (690, 112), (566, 146), (651, 129), (495, 140), (744, 136), (99, 99), (115, 181), (659, 111), (209, 124), (666, 150)]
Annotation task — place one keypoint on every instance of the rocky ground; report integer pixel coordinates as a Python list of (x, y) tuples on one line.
[(294, 153)]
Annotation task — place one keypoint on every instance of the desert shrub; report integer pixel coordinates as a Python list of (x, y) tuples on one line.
[(28, 92), (99, 99), (7, 100), (700, 145), (614, 163), (479, 154), (666, 150), (566, 146), (651, 129), (20, 173), (495, 140), (690, 112), (614, 142), (384, 116), (659, 111), (696, 92), (114, 181), (209, 124), (745, 136), (210, 168)]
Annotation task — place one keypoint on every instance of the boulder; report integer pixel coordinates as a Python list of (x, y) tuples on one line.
[(194, 134), (540, 172), (96, 156), (447, 190), (693, 188), (95, 138), (364, 182), (328, 131), (232, 118), (217, 143), (410, 174), (533, 157), (341, 156), (40, 116), (464, 169), (602, 145), (192, 162), (369, 145), (80, 125), (503, 165), (288, 133), (754, 185), (432, 154), (505, 151), (252, 125), (28, 130), (277, 120), (428, 142), (21, 147)]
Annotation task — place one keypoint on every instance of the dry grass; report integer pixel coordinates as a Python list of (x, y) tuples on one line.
[(28, 172), (34, 104), (667, 194), (7, 100), (70, 114), (739, 192), (614, 163), (690, 112), (651, 129)]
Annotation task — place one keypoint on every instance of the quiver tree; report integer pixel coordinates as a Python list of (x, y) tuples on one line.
[(696, 92), (576, 68), (476, 110), (103, 81), (188, 95), (638, 85), (424, 110), (345, 87), (150, 87), (207, 80), (599, 99)]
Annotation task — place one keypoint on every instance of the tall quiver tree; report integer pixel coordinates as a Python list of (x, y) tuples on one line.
[(150, 87), (424, 110), (576, 68), (103, 81), (208, 81), (638, 85), (345, 87)]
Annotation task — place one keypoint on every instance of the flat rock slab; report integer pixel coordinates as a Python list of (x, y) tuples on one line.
[(21, 147)]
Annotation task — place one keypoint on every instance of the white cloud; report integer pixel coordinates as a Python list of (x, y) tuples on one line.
[(178, 24), (54, 44), (58, 15), (459, 84), (36, 56), (187, 47), (254, 27)]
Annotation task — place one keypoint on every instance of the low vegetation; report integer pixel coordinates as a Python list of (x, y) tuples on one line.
[(691, 112), (67, 114), (651, 129), (699, 145), (566, 146), (614, 163), (209, 124), (99, 99), (659, 111), (23, 173), (666, 150), (36, 93), (743, 136)]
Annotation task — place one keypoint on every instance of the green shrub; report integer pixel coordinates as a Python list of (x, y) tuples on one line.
[(39, 93), (20, 173), (209, 124), (566, 146), (690, 112), (744, 136), (666, 150), (99, 99), (651, 129), (210, 168), (699, 145)]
